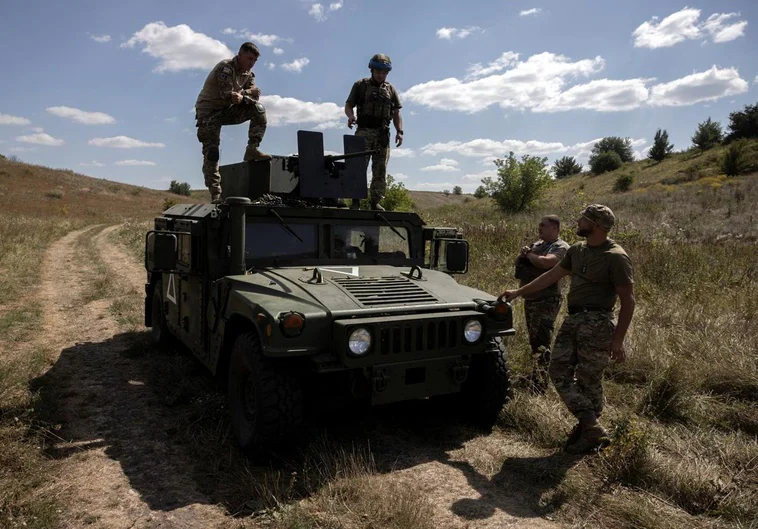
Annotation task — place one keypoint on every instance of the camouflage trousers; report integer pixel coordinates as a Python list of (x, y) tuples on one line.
[(209, 134), (377, 139), (580, 355), (540, 317)]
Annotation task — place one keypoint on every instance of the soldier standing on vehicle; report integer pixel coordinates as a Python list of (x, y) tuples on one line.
[(541, 307), (600, 272), (230, 97), (378, 104)]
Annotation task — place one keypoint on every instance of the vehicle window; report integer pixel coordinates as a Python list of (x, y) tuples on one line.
[(355, 242), (273, 240)]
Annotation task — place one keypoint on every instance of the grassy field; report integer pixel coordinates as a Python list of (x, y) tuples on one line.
[(683, 409)]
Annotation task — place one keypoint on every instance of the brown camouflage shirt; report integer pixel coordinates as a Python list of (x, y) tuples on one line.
[(224, 79)]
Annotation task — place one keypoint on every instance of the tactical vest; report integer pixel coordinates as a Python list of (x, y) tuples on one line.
[(374, 105)]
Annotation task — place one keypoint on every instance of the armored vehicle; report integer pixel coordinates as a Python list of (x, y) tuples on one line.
[(292, 303)]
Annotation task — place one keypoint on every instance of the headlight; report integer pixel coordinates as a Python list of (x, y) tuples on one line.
[(472, 331), (359, 341)]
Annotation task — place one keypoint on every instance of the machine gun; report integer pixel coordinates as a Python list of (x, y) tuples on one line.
[(310, 174)]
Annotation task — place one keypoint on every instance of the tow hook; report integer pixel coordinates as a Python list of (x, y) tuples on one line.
[(381, 381), (460, 372)]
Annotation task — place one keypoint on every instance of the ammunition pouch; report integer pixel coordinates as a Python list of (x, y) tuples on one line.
[(525, 271), (213, 154)]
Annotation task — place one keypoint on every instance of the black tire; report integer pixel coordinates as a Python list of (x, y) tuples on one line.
[(265, 401), (159, 333), (488, 385)]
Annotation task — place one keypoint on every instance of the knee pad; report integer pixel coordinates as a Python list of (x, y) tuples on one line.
[(213, 154), (260, 108)]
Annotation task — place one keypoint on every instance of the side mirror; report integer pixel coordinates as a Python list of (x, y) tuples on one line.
[(164, 251), (456, 256)]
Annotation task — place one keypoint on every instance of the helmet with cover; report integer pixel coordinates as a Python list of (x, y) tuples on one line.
[(380, 61)]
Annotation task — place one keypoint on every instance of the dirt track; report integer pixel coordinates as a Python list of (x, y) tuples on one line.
[(124, 464)]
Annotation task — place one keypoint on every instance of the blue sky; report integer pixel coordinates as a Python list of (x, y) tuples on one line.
[(107, 89)]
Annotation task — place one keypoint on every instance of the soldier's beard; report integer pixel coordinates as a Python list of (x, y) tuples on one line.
[(583, 232)]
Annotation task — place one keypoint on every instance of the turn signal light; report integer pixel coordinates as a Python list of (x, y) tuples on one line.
[(291, 324), (500, 310)]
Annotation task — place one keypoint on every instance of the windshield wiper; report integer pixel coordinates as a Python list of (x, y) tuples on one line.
[(381, 217), (284, 224)]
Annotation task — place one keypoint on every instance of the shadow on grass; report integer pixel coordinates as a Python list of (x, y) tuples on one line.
[(162, 417)]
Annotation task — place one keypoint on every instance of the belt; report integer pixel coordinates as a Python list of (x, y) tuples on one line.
[(577, 310)]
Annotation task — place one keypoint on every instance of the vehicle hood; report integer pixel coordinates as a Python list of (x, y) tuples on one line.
[(360, 289)]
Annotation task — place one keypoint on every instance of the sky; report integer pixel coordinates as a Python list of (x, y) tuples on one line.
[(108, 89)]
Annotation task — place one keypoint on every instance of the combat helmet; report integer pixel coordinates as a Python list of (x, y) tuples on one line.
[(380, 61)]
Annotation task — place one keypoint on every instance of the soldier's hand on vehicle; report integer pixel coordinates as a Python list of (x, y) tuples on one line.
[(236, 97), (351, 121), (618, 354), (398, 140), (509, 295)]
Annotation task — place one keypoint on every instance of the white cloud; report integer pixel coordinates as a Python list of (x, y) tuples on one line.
[(507, 59), (400, 176), (40, 138), (122, 142), (685, 25), (457, 33), (317, 12), (445, 165), (264, 40), (402, 153), (38, 129), (6, 119), (228, 31), (82, 116), (721, 30), (93, 163), (22, 149), (278, 51), (704, 86), (270, 65), (489, 149), (532, 11), (289, 111), (755, 81), (179, 47), (335, 6), (297, 65), (477, 177), (541, 83), (434, 186), (101, 38), (326, 125), (134, 162), (172, 119)]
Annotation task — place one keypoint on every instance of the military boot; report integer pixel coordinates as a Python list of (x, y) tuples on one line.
[(216, 199), (591, 438), (377, 206), (573, 436), (253, 154)]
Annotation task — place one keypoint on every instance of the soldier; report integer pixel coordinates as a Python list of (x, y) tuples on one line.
[(229, 97), (378, 104), (541, 307), (600, 272)]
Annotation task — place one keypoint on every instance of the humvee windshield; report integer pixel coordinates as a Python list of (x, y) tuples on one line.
[(343, 241)]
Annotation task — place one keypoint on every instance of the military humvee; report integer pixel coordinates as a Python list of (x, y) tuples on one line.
[(289, 302)]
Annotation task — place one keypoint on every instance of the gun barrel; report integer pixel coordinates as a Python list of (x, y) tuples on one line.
[(351, 155)]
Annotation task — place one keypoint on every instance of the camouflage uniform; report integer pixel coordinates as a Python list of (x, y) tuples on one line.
[(376, 104), (541, 309), (214, 108), (582, 348)]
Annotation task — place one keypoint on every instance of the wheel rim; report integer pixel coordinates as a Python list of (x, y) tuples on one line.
[(248, 400)]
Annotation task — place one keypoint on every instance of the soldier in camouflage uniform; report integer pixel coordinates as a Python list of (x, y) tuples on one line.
[(541, 308), (230, 97), (378, 104), (588, 339)]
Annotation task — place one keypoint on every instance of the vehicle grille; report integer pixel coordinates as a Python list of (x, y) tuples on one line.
[(416, 337), (385, 291)]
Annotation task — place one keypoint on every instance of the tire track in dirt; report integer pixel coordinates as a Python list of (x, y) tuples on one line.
[(118, 468)]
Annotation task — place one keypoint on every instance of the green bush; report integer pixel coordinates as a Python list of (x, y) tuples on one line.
[(396, 197), (519, 184), (621, 146), (566, 166), (735, 158), (457, 190), (605, 162), (480, 192), (55, 193), (707, 135), (168, 203), (661, 147), (743, 124), (446, 192), (623, 183), (180, 188)]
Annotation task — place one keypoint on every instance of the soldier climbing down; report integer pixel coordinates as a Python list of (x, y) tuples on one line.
[(378, 104), (230, 97)]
